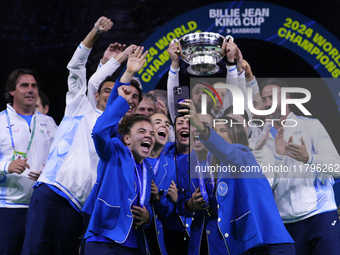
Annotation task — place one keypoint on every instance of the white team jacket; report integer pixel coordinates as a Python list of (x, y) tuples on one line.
[(72, 161), (16, 189), (300, 195)]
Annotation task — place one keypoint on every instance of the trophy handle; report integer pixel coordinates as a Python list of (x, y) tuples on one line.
[(228, 37)]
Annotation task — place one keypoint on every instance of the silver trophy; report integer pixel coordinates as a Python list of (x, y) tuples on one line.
[(202, 51)]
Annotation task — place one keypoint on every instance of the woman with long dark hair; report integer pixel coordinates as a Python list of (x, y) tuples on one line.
[(237, 209)]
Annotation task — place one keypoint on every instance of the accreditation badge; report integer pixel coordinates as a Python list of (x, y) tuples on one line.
[(19, 155)]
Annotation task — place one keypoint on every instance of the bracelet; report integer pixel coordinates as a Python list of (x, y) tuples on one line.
[(98, 31), (127, 77)]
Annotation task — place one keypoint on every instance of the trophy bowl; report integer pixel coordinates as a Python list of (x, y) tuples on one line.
[(202, 51)]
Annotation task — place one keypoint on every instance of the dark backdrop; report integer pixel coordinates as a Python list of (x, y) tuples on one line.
[(43, 34)]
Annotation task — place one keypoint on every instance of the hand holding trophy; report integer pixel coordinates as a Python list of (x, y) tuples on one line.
[(202, 51)]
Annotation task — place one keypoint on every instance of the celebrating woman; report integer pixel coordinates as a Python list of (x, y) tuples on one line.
[(119, 204), (243, 217)]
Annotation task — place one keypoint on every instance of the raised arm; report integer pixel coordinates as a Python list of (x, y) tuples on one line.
[(113, 112), (235, 75), (114, 56), (105, 146), (251, 81), (173, 77), (76, 66), (134, 64), (230, 50)]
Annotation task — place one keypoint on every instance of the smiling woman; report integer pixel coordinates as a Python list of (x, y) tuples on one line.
[(120, 211), (235, 209), (137, 134), (121, 162)]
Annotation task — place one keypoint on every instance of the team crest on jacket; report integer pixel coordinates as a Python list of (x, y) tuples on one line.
[(222, 189)]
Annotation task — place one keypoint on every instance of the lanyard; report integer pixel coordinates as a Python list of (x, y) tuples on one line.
[(201, 179), (155, 169), (11, 133), (142, 189)]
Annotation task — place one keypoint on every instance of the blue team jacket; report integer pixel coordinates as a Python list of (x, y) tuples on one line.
[(109, 203), (165, 175), (178, 221), (246, 213)]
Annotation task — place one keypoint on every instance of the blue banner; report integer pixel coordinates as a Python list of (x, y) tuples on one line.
[(245, 19)]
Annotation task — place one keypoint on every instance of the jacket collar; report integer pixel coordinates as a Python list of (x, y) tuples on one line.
[(163, 162), (12, 111)]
